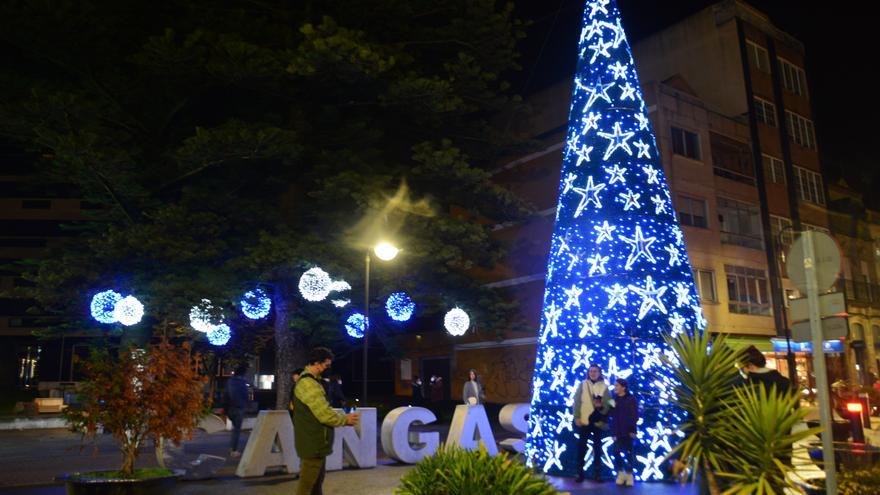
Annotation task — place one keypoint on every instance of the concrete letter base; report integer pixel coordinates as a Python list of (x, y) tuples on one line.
[(404, 446), (357, 448), (515, 419), (271, 428), (470, 425)]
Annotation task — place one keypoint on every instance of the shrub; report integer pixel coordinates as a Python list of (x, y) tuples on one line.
[(453, 471), (859, 482)]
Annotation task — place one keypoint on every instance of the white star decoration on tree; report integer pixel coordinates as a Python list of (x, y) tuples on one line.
[(589, 194), (650, 297), (591, 121), (600, 47), (682, 295), (659, 436), (617, 139), (569, 183), (651, 174), (589, 325), (591, 30), (674, 255), (659, 204), (651, 355), (698, 312), (597, 264), (582, 357), (536, 429), (563, 245), (643, 149), (536, 389), (558, 378), (607, 443), (630, 200), (614, 372), (552, 314), (618, 69), (598, 91), (573, 296), (548, 356), (653, 466), (616, 295), (640, 247), (627, 92), (598, 6), (615, 174), (553, 460), (605, 231), (677, 322), (570, 390), (643, 121), (566, 418), (583, 155)]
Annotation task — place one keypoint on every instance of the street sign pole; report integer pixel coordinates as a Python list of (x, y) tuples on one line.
[(819, 364)]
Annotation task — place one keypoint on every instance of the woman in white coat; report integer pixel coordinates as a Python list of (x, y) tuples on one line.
[(473, 393)]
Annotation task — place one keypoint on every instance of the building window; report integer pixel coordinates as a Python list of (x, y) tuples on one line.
[(765, 112), (781, 225), (732, 159), (800, 130), (705, 280), (685, 143), (692, 211), (758, 56), (774, 171), (816, 228), (809, 186), (793, 77), (747, 291), (740, 223)]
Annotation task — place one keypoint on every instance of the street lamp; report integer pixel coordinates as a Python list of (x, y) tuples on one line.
[(385, 251)]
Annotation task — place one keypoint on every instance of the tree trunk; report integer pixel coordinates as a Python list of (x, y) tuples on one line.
[(129, 454), (711, 480)]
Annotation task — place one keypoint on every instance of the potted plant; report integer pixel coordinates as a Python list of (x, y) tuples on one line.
[(136, 395), (735, 436)]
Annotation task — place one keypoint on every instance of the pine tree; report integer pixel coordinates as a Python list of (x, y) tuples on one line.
[(618, 276)]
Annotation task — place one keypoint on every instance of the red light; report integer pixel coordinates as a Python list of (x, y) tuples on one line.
[(854, 407)]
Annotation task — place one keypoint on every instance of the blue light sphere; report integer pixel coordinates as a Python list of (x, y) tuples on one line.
[(219, 335), (103, 304), (255, 304), (128, 311), (355, 324), (400, 306)]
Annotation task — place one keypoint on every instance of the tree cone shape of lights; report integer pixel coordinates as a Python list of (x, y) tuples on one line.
[(618, 275)]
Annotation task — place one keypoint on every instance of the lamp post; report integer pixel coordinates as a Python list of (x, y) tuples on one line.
[(385, 251)]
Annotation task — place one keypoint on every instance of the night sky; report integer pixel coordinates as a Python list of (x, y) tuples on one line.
[(839, 48)]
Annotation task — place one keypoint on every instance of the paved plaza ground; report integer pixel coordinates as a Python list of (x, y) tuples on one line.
[(30, 460)]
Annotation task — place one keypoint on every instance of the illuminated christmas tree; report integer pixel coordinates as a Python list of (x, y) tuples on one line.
[(618, 276)]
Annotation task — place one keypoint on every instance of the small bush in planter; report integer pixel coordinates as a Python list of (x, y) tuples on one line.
[(859, 482), (453, 471), (139, 394)]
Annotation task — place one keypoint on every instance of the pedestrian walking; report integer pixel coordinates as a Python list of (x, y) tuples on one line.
[(624, 418), (236, 401), (313, 421), (418, 394), (335, 395), (472, 393), (592, 403), (437, 389)]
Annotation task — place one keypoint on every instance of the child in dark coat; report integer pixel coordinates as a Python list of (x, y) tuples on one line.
[(624, 418)]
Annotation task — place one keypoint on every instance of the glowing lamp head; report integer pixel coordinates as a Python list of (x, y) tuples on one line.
[(103, 304), (355, 325), (255, 304), (399, 306), (315, 284), (219, 335), (456, 322), (201, 317), (128, 311), (854, 407), (385, 251)]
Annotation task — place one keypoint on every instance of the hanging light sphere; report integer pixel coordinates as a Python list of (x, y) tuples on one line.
[(201, 316), (255, 304), (386, 251), (128, 311), (219, 335), (315, 284), (399, 306), (456, 322), (103, 304), (355, 324)]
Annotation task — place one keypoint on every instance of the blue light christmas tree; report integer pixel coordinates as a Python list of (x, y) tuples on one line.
[(618, 276)]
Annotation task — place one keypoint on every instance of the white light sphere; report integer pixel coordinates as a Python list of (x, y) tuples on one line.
[(386, 251), (456, 322), (201, 317), (315, 284), (128, 311)]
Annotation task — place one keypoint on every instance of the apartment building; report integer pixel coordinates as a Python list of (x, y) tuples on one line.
[(729, 102)]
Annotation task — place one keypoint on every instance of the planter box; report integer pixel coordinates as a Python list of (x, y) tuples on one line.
[(118, 486)]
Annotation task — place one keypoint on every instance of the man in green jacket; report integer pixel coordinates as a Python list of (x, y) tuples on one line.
[(313, 422)]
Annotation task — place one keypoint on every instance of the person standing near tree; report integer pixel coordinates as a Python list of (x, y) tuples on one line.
[(236, 401), (472, 393), (592, 402), (313, 421), (624, 418)]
